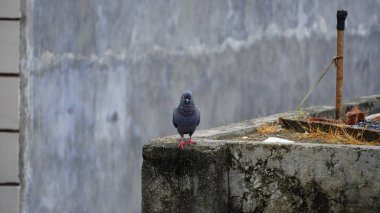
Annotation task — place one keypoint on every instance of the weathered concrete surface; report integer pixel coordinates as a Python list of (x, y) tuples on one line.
[(303, 178), (262, 177), (222, 176), (100, 77), (189, 181)]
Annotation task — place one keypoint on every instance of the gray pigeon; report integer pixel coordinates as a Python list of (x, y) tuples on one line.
[(186, 118)]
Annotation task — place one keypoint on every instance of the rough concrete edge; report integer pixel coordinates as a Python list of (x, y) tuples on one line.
[(363, 102), (207, 144), (171, 150), (236, 129), (307, 145), (248, 126), (24, 99)]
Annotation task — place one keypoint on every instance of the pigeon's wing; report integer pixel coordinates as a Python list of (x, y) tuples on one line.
[(174, 120), (199, 117)]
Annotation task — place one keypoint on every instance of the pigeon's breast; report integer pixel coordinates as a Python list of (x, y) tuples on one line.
[(186, 124)]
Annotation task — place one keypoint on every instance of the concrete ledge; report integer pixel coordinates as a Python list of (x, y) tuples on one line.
[(218, 175)]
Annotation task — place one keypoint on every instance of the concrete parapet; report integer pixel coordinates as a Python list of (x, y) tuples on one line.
[(221, 175)]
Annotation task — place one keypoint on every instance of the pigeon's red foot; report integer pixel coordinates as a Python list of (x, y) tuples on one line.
[(191, 141), (181, 144)]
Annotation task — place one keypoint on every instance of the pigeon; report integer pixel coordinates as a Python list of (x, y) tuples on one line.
[(186, 118)]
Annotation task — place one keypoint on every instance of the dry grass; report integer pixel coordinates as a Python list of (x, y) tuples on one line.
[(315, 135), (268, 128), (337, 136)]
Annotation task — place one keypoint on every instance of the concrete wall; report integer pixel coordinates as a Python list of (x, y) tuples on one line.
[(99, 78), (260, 177), (220, 174)]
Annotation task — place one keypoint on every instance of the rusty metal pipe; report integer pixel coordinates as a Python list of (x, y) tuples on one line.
[(341, 17)]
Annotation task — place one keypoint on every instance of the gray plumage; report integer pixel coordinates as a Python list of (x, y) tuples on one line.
[(186, 116)]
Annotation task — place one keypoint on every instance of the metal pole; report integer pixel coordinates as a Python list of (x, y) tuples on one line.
[(341, 17)]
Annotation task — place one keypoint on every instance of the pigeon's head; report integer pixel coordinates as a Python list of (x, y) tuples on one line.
[(186, 98)]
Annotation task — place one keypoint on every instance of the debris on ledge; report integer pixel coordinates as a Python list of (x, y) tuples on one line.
[(354, 128)]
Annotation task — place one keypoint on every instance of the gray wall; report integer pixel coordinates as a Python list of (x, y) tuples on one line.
[(100, 78), (9, 95)]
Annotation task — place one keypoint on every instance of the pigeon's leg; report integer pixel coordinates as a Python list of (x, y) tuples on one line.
[(182, 143), (191, 141)]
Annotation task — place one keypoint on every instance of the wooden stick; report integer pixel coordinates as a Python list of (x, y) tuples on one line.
[(339, 74), (341, 17)]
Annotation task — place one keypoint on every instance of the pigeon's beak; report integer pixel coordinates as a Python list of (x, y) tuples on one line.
[(187, 100)]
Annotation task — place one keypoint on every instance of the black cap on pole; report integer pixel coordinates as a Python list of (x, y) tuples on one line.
[(341, 17)]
